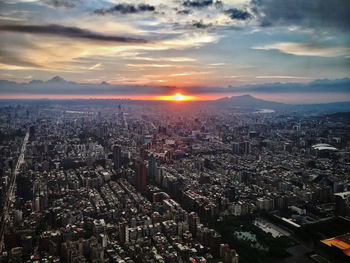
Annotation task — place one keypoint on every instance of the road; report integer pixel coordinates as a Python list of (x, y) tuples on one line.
[(5, 217)]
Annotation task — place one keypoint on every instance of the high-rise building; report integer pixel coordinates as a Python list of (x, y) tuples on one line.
[(152, 167), (253, 134), (245, 147), (140, 170), (32, 132), (117, 156), (235, 148)]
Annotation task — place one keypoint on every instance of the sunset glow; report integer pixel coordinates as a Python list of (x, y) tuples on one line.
[(177, 97)]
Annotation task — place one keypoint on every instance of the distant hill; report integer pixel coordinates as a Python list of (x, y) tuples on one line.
[(56, 79), (248, 103)]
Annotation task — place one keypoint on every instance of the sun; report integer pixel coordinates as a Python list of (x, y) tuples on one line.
[(178, 97)]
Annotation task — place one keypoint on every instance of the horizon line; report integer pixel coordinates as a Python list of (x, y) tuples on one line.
[(163, 100)]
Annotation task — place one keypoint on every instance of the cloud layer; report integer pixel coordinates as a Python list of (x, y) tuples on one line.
[(237, 14), (198, 4), (62, 3), (63, 31), (307, 49), (312, 14), (194, 44), (125, 9)]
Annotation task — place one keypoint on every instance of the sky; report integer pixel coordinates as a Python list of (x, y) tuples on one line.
[(154, 48)]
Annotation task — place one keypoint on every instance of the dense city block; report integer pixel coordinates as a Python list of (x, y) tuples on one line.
[(130, 182)]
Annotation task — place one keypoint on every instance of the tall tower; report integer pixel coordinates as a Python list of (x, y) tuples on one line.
[(117, 156), (152, 167), (140, 170), (246, 147), (235, 148)]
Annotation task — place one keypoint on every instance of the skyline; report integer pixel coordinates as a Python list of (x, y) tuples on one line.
[(317, 91), (202, 48)]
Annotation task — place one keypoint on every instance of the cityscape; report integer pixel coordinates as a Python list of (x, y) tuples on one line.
[(174, 131), (158, 181)]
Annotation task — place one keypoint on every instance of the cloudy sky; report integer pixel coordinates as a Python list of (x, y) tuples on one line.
[(183, 44)]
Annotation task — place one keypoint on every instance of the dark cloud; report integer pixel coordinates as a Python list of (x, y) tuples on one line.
[(320, 85), (219, 4), (146, 7), (312, 14), (201, 25), (184, 12), (72, 32), (236, 14), (316, 86), (125, 9), (61, 3), (198, 4)]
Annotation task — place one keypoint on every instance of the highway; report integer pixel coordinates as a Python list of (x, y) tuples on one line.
[(5, 217)]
